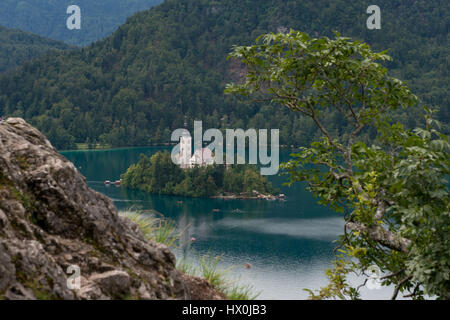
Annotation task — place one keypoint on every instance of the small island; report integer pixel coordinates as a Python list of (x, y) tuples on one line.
[(159, 175)]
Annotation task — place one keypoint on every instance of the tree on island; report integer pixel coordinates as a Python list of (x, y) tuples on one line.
[(392, 193), (159, 175)]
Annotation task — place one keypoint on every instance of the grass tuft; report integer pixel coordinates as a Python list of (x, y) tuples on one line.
[(157, 229), (208, 268)]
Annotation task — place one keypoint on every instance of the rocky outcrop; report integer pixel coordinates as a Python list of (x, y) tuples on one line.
[(51, 224)]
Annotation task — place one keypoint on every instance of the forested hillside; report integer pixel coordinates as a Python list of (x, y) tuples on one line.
[(18, 46), (48, 17), (134, 87)]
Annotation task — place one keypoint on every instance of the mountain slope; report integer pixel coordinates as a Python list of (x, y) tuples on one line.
[(134, 87), (19, 46), (48, 17)]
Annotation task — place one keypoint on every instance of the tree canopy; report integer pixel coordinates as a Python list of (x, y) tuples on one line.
[(19, 47), (48, 17), (159, 175), (393, 192), (136, 86)]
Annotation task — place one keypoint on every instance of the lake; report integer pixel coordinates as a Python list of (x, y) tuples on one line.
[(288, 244)]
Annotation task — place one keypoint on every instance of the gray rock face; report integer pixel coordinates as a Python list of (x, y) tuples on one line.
[(50, 220)]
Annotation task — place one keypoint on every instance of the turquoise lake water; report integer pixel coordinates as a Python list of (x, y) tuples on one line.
[(288, 244)]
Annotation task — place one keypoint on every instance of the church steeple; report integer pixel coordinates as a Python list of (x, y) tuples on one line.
[(185, 146)]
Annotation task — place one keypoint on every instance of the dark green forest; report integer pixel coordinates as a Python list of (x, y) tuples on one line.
[(48, 17), (159, 175), (136, 86), (18, 47)]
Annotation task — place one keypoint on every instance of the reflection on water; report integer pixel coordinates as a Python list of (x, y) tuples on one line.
[(288, 244), (318, 229)]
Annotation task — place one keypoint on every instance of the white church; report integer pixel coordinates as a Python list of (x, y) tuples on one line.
[(201, 157)]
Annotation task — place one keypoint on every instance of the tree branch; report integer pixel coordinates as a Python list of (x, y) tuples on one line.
[(384, 237), (397, 288)]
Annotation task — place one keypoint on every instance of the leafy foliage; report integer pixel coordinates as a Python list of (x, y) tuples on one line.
[(137, 85), (394, 193), (161, 176)]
